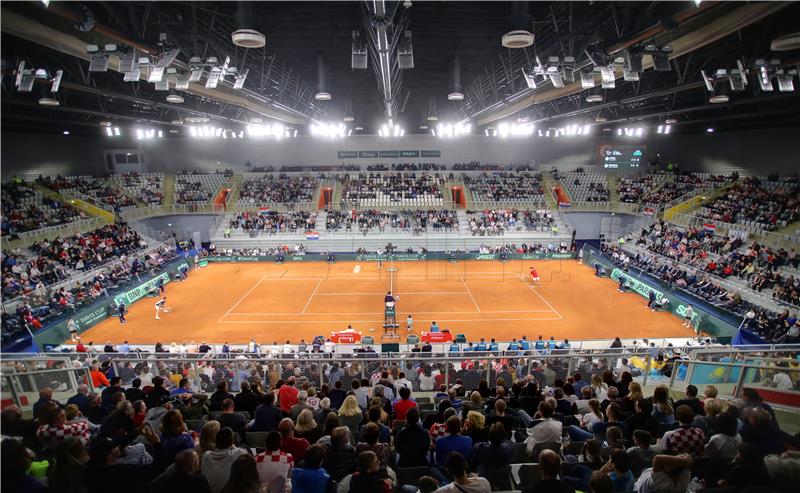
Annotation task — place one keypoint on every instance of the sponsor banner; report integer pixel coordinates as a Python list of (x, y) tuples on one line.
[(708, 318), (391, 154), (400, 257), (141, 290)]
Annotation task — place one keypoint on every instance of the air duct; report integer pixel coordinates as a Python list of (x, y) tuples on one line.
[(518, 36), (246, 36), (455, 81), (322, 81)]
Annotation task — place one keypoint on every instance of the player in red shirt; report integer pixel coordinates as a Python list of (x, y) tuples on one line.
[(535, 277)]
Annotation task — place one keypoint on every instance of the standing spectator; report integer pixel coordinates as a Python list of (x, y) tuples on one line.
[(350, 414), (402, 405), (413, 442), (453, 442), (287, 395), (692, 401)]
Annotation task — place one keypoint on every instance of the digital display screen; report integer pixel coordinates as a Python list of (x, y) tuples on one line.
[(617, 157)]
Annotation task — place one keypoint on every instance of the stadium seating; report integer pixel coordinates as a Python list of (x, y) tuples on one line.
[(765, 204), (404, 189), (25, 209), (89, 187), (505, 187), (501, 221), (280, 189), (586, 186), (295, 412), (197, 187), (656, 189), (146, 187), (366, 221)]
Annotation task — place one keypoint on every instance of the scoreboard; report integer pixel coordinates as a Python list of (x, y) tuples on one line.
[(620, 157)]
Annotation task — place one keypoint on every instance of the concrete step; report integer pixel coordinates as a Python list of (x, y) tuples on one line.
[(168, 187)]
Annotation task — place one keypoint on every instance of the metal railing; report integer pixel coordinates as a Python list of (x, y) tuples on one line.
[(23, 376)]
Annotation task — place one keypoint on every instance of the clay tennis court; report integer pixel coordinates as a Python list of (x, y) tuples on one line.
[(233, 303)]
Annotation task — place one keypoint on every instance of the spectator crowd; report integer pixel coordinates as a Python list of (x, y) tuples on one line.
[(255, 426)]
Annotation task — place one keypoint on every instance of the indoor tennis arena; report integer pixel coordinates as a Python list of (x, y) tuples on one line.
[(400, 246)]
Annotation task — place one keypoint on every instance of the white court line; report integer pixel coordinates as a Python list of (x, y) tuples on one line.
[(379, 320), (244, 296), (420, 277), (379, 313), (348, 293), (540, 296), (470, 295), (311, 297)]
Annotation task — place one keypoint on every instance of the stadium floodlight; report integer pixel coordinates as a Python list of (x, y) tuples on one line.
[(663, 129), (785, 80), (127, 61), (162, 85), (587, 80), (530, 80), (156, 74), (195, 75), (98, 63), (240, 78), (213, 78), (182, 82), (633, 60), (762, 73), (607, 77), (133, 75), (738, 77)]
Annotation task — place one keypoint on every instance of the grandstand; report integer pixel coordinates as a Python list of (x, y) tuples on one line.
[(381, 259)]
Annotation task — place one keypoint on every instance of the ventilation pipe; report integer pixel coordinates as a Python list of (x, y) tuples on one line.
[(322, 81), (455, 81), (246, 36), (519, 36)]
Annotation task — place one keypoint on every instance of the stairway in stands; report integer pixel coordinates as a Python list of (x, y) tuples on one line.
[(168, 186), (463, 222), (611, 180), (235, 183), (548, 182)]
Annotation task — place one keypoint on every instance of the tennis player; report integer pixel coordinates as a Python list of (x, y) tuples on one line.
[(161, 305), (535, 277), (410, 323)]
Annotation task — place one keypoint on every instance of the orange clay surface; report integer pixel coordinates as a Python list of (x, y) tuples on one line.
[(236, 302)]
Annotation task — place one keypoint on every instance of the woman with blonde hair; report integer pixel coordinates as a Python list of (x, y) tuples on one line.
[(350, 414), (711, 392), (475, 427), (629, 401), (599, 388), (208, 438), (306, 426)]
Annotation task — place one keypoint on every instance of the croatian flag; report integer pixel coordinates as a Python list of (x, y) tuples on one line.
[(710, 227), (649, 211), (263, 210), (312, 235)]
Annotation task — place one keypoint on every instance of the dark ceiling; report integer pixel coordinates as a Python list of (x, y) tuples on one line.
[(285, 71)]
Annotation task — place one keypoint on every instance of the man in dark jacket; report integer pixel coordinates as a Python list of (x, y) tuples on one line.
[(246, 400), (413, 442), (267, 416), (215, 402)]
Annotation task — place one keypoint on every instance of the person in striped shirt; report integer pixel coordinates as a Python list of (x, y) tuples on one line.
[(273, 465), (56, 429)]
